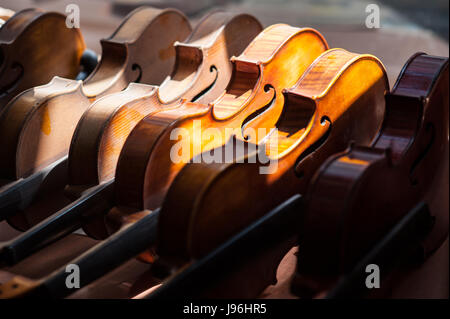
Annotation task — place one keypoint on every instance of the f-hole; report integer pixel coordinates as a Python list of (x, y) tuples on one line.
[(137, 67), (429, 128), (323, 121), (267, 88), (212, 69)]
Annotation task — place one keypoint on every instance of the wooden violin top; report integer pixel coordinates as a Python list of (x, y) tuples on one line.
[(202, 70), (37, 125), (34, 47), (339, 98), (358, 195)]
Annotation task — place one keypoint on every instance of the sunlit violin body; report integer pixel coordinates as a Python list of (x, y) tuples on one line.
[(34, 47), (36, 127), (323, 112), (358, 195)]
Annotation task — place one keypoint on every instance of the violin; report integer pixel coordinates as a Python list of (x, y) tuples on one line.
[(36, 127), (340, 98), (138, 227), (103, 128), (358, 195), (34, 47)]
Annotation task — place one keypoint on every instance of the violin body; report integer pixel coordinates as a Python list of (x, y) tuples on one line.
[(34, 47), (253, 98), (36, 127), (318, 112), (358, 195)]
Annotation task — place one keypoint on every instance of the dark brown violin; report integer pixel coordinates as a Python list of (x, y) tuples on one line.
[(360, 194), (34, 47)]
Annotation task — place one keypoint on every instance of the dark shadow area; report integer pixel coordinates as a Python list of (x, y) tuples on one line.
[(431, 15)]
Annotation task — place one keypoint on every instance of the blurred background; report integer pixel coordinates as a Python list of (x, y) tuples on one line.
[(406, 26)]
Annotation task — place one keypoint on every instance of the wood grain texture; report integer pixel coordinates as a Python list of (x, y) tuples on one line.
[(339, 98), (358, 195), (34, 47)]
